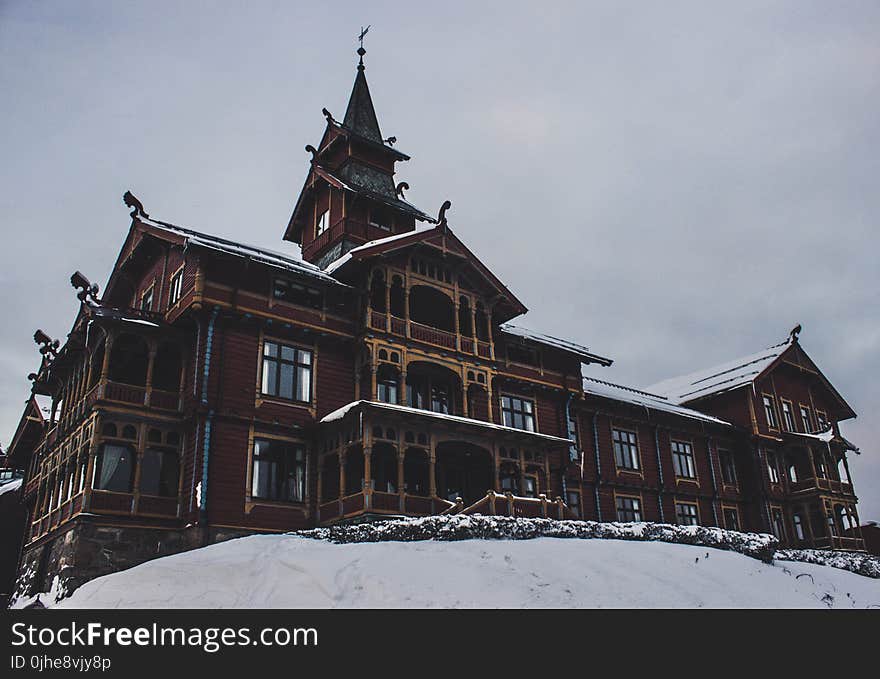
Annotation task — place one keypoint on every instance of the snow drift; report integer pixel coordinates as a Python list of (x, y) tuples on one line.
[(480, 562)]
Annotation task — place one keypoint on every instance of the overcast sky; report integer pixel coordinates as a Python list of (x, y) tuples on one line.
[(673, 184)]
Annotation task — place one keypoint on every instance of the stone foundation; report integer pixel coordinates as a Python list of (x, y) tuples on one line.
[(84, 551)]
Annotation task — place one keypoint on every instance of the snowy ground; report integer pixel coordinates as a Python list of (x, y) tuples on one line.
[(287, 571)]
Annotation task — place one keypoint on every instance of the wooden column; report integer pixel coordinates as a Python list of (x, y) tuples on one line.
[(368, 486), (105, 366), (151, 362), (400, 478), (406, 306), (341, 479)]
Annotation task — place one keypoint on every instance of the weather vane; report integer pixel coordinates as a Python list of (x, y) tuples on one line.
[(361, 36)]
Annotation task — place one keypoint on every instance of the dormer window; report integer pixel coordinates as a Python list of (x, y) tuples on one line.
[(322, 223)]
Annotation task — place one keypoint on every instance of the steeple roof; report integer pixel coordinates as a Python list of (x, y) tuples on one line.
[(360, 116)]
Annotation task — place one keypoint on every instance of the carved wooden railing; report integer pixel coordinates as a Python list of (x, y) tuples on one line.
[(425, 333)]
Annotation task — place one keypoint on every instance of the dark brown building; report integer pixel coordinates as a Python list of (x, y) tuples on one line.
[(216, 389)]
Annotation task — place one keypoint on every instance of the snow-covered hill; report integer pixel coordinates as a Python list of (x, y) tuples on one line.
[(289, 571)]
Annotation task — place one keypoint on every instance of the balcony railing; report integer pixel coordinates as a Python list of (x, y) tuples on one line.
[(429, 335), (811, 483)]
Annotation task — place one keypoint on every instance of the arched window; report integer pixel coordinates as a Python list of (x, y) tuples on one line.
[(464, 317), (386, 384), (428, 306), (128, 360), (415, 472), (330, 478), (114, 468), (97, 364), (377, 292), (398, 298), (166, 368), (482, 323)]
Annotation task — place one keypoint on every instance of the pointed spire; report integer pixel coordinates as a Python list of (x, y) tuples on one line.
[(360, 116)]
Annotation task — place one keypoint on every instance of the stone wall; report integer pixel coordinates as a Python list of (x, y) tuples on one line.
[(84, 551)]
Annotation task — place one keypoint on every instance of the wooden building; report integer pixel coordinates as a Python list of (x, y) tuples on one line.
[(216, 389)]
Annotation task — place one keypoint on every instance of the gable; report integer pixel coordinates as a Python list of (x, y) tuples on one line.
[(442, 243)]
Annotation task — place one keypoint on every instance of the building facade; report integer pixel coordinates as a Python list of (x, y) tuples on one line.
[(215, 389)]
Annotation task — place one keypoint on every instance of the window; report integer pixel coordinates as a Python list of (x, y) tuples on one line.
[(159, 472), (770, 412), (823, 420), (176, 288), (806, 420), (772, 467), (114, 468), (574, 437), (296, 293), (573, 500), (381, 218), (626, 449), (686, 514), (279, 471), (798, 526), (629, 509), (683, 460), (778, 524), (728, 467), (147, 300), (518, 413), (530, 486), (322, 223), (731, 518), (287, 372), (387, 388), (787, 416)]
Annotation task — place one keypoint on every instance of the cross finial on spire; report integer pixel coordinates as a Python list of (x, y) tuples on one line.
[(361, 51)]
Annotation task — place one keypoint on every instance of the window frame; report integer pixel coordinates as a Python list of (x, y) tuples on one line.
[(773, 474), (689, 455), (295, 363), (292, 447), (149, 293), (636, 511), (806, 418), (787, 408), (574, 506), (726, 453), (770, 411), (175, 287), (725, 509), (695, 516), (322, 222), (632, 448), (527, 415)]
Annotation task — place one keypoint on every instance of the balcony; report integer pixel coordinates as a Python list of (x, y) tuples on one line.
[(425, 333), (815, 484)]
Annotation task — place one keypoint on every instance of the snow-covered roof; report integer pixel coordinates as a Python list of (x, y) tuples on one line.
[(826, 436), (44, 404), (719, 378), (339, 413), (275, 259), (617, 392), (10, 486), (557, 343), (335, 264)]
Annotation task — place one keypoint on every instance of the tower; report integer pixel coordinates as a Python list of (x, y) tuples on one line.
[(349, 197)]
